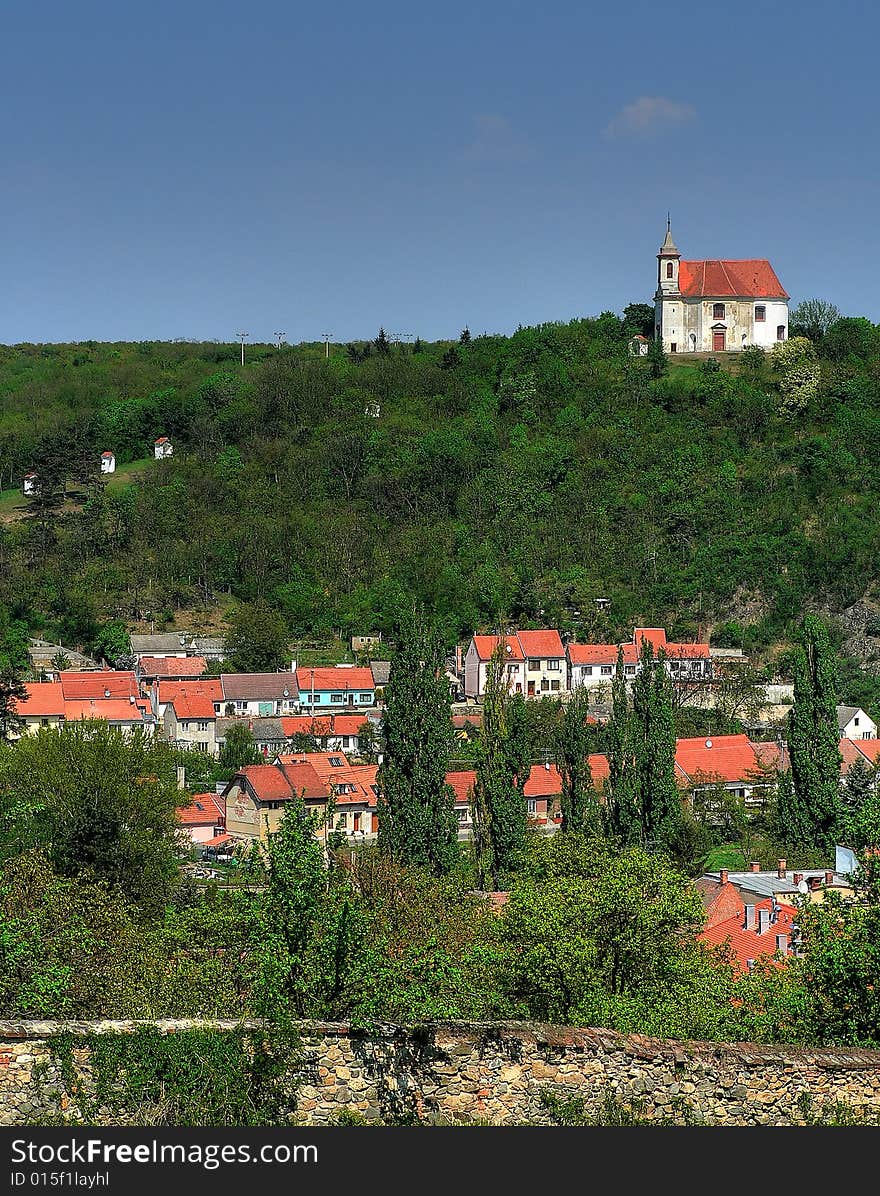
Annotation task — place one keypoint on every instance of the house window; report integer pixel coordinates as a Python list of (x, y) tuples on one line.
[(337, 762), (531, 806), (780, 332), (336, 697), (534, 666), (629, 669), (588, 670), (760, 314), (553, 666), (462, 813), (44, 722), (511, 669), (670, 269), (606, 670), (673, 348), (545, 684), (554, 685), (718, 311), (366, 698)]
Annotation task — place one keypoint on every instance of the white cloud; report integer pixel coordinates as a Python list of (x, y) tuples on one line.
[(495, 141), (649, 116)]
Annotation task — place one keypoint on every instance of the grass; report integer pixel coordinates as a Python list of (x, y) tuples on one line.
[(124, 474), (726, 856), (10, 499)]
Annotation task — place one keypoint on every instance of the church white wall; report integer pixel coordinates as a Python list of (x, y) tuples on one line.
[(688, 324), (765, 333)]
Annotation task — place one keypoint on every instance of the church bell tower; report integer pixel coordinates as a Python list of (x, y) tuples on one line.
[(667, 289)]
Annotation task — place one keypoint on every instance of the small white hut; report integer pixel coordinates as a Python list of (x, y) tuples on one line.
[(29, 485), (108, 463), (162, 448)]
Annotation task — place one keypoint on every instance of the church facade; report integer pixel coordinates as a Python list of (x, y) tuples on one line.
[(717, 306)]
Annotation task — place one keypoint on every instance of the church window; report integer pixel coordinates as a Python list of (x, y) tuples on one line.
[(760, 314), (718, 311), (780, 332), (669, 270)]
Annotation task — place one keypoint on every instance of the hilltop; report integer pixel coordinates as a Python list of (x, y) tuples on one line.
[(526, 475)]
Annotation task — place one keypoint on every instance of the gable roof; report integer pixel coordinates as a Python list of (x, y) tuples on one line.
[(43, 698), (84, 686), (486, 645), (112, 710), (255, 687), (846, 714), (546, 643), (192, 705), (205, 809), (350, 784), (337, 677), (206, 687), (282, 782), (749, 278), (751, 944), (173, 666), (726, 758)]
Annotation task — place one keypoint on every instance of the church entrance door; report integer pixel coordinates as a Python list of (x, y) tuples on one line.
[(718, 341)]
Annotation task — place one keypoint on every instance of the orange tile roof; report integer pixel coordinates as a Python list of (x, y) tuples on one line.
[(360, 777), (462, 783), (869, 748), (730, 757), (486, 645), (322, 726), (206, 809), (751, 278), (654, 635), (271, 782), (334, 678), (599, 769), (44, 698), (83, 686), (193, 706), (749, 944), (113, 710), (541, 643), (601, 654), (543, 782), (173, 666), (205, 688)]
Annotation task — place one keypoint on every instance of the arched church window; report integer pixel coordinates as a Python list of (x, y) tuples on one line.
[(669, 270)]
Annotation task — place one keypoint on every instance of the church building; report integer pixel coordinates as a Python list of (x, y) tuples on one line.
[(717, 306)]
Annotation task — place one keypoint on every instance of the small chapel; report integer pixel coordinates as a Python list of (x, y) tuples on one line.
[(717, 306)]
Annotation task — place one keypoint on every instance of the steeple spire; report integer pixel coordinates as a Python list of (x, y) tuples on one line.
[(668, 246)]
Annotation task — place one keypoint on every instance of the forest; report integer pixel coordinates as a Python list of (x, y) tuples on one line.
[(516, 477)]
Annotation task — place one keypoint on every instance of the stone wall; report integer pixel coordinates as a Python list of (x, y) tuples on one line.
[(497, 1072)]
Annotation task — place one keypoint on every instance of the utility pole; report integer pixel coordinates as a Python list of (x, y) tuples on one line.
[(280, 336), (242, 336), (325, 337)]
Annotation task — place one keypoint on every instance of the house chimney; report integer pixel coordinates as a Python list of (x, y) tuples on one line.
[(763, 921), (782, 944), (724, 876), (755, 865), (781, 869), (829, 878), (815, 882), (798, 877), (750, 916)]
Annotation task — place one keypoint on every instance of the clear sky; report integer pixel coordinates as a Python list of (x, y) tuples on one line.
[(192, 169)]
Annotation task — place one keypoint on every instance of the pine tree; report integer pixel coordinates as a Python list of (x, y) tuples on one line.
[(416, 807), (382, 343), (465, 336), (622, 811), (814, 738), (12, 691), (658, 796), (573, 744), (499, 807)]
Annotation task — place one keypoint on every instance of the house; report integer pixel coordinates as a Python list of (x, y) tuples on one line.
[(352, 787), (703, 763), (261, 694), (714, 306), (105, 694), (333, 732), (165, 691), (638, 345), (854, 723), (365, 643), (546, 669), (29, 484), (258, 796), (342, 686), (43, 707), (43, 654), (168, 668), (765, 929), (204, 819), (162, 448), (177, 643), (593, 665), (189, 717), (783, 884), (108, 462)]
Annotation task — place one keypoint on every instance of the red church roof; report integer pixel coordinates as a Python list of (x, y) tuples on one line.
[(753, 278)]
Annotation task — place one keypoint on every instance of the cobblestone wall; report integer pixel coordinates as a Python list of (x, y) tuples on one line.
[(497, 1072)]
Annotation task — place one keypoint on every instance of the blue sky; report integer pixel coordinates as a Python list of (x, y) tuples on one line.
[(193, 169)]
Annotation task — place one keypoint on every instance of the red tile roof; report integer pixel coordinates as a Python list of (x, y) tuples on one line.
[(486, 645), (541, 643), (82, 686), (323, 726), (193, 706), (352, 784), (720, 900), (462, 784), (173, 666), (335, 679), (271, 782), (112, 710), (543, 782), (869, 748), (44, 698), (607, 653), (601, 654), (729, 758), (206, 809), (749, 944), (752, 278), (206, 688)]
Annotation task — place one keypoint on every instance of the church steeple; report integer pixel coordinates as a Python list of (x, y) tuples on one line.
[(667, 264)]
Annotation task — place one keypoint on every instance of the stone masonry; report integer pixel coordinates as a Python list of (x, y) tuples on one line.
[(496, 1072)]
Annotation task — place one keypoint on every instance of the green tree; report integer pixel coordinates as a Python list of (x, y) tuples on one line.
[(573, 743), (814, 744), (382, 344), (622, 808), (239, 749), (654, 728), (657, 358), (113, 642), (100, 803), (465, 336), (813, 318), (416, 807), (12, 692), (639, 317), (499, 807), (257, 640)]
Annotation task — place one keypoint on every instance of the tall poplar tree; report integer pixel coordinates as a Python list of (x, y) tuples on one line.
[(814, 744), (621, 809), (499, 807), (658, 796), (573, 742), (416, 806)]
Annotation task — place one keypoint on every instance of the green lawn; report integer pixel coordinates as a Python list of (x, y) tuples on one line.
[(124, 473), (728, 856), (10, 499)]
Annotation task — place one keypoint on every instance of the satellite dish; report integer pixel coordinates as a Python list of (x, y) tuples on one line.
[(708, 743)]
